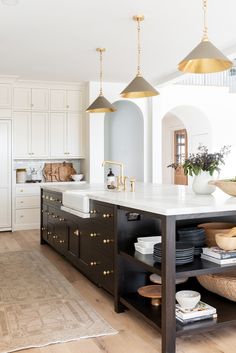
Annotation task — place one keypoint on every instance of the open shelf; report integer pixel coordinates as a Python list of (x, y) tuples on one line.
[(196, 268), (226, 311)]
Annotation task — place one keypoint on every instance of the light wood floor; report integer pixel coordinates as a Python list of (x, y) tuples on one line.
[(134, 335)]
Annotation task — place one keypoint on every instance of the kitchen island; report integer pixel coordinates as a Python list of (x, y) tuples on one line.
[(102, 247)]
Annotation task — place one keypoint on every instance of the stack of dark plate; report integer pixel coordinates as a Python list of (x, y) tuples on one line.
[(184, 253), (193, 235)]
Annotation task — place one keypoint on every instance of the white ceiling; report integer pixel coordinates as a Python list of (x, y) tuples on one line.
[(56, 39)]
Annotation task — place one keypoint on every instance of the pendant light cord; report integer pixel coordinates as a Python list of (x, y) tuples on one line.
[(139, 49), (101, 73), (205, 29)]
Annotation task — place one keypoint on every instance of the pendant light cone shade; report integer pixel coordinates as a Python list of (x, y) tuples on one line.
[(101, 104), (139, 87), (205, 57)]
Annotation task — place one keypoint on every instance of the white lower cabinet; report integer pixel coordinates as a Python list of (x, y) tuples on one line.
[(26, 207)]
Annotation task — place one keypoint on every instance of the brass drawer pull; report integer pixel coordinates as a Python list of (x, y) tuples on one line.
[(93, 211), (94, 263), (49, 233), (107, 241), (43, 228), (47, 197), (43, 196), (93, 235), (51, 198), (107, 215), (55, 236), (61, 219), (76, 232), (108, 272), (61, 241)]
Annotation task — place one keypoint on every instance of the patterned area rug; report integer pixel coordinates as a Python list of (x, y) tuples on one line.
[(38, 306)]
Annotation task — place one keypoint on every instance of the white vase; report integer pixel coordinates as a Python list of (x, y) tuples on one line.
[(200, 183)]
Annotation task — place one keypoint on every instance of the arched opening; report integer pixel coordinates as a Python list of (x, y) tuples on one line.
[(124, 138), (198, 131)]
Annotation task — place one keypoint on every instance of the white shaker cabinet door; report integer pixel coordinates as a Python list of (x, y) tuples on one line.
[(58, 99), (73, 101), (21, 134), (5, 96), (5, 174), (21, 98), (39, 135), (58, 135), (74, 135), (39, 98)]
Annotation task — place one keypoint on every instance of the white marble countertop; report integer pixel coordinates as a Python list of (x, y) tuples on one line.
[(157, 198)]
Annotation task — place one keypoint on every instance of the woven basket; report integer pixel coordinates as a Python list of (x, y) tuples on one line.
[(213, 228), (221, 284)]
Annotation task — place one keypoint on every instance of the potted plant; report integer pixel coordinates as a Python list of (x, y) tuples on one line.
[(202, 165)]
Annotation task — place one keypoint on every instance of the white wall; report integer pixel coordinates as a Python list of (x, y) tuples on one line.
[(95, 126), (214, 103)]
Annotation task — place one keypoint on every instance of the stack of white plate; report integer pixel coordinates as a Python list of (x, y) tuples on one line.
[(145, 245)]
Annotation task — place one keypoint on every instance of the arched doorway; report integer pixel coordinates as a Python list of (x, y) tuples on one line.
[(198, 130), (124, 138)]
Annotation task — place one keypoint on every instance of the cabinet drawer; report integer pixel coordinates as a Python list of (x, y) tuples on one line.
[(28, 216), (27, 201), (28, 190)]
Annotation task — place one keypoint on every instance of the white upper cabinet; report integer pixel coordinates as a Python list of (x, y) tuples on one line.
[(39, 98), (5, 96), (21, 98), (30, 98), (58, 135), (39, 135), (30, 135), (66, 135), (74, 135), (21, 135), (66, 100)]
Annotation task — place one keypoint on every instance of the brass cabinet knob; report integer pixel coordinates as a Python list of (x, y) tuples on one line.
[(49, 233), (107, 215), (43, 228), (107, 241), (76, 232), (107, 272), (94, 263), (93, 235), (43, 196), (55, 236), (47, 197), (42, 211), (61, 219), (93, 211), (61, 241)]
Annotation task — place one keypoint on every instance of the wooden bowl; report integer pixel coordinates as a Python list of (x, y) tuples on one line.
[(152, 291), (228, 186), (225, 243), (214, 228)]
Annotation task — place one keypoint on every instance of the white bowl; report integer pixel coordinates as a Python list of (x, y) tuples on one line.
[(77, 177), (188, 299)]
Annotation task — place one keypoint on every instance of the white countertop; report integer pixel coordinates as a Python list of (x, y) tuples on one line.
[(157, 198)]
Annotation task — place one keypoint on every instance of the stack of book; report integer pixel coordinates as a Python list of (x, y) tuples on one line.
[(219, 256), (203, 311)]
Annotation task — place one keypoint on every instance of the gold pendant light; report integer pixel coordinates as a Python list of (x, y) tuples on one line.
[(139, 87), (101, 104), (205, 57)]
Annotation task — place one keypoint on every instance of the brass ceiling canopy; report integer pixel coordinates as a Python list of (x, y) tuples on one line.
[(139, 87), (205, 57), (101, 104)]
